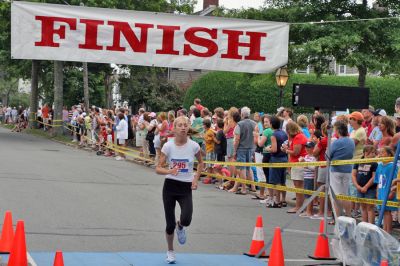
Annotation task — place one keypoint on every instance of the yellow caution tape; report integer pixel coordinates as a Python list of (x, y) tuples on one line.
[(303, 164), (304, 191), (123, 150), (49, 125)]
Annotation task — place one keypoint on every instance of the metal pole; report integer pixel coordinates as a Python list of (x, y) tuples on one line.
[(280, 96), (328, 166)]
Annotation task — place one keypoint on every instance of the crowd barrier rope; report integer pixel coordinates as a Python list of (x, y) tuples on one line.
[(134, 153), (303, 191)]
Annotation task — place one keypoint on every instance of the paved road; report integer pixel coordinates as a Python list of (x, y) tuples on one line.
[(75, 200)]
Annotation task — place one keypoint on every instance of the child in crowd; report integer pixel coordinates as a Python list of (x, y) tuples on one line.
[(109, 142), (376, 134), (220, 170), (220, 143), (209, 136), (309, 176), (381, 177), (363, 179)]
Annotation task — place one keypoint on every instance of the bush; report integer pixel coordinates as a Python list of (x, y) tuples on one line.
[(260, 93)]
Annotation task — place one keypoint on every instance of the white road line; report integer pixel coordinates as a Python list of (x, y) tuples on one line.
[(30, 260)]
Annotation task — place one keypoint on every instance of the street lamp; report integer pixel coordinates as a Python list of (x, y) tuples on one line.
[(282, 77)]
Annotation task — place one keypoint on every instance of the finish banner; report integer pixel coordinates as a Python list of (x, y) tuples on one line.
[(84, 34)]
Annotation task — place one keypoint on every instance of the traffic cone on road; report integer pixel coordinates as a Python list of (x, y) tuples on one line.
[(321, 226), (7, 234), (384, 263), (321, 251), (276, 257), (257, 243), (58, 259), (18, 255)]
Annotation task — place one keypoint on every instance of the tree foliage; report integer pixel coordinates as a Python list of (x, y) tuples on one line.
[(148, 86), (368, 45), (260, 93)]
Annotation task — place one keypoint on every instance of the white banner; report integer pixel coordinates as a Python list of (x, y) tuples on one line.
[(83, 34)]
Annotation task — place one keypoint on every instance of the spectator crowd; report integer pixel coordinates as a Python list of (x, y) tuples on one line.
[(237, 135)]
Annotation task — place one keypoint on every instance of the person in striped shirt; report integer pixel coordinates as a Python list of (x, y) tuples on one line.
[(309, 176)]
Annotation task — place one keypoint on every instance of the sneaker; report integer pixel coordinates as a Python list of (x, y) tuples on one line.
[(264, 201), (181, 234), (274, 204), (171, 259), (118, 158)]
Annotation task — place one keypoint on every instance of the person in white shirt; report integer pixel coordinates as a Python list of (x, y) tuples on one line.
[(179, 154), (122, 134)]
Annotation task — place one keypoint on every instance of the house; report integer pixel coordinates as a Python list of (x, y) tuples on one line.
[(185, 77)]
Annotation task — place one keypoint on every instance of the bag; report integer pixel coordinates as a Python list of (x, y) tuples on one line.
[(150, 136)]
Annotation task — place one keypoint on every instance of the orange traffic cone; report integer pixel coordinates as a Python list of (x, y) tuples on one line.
[(384, 263), (321, 251), (58, 259), (257, 243), (18, 255), (321, 226), (276, 257), (7, 234)]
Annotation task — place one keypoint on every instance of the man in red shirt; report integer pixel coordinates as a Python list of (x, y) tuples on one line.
[(45, 115), (197, 103), (367, 123)]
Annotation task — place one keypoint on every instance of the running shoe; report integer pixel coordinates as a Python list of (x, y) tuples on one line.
[(181, 234), (171, 259)]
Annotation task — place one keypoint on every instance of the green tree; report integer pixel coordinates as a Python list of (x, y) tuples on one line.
[(149, 86), (368, 45)]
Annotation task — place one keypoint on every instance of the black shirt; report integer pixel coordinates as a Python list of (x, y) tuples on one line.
[(221, 147), (364, 173)]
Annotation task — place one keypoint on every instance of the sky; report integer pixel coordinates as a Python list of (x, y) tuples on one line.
[(233, 4)]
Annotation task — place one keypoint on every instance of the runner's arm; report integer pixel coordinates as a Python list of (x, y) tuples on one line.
[(161, 170)]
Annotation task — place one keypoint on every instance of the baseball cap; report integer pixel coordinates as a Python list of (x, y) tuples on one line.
[(380, 112), (280, 109), (310, 144), (152, 114), (356, 116)]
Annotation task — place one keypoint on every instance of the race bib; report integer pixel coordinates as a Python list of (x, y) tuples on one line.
[(181, 164)]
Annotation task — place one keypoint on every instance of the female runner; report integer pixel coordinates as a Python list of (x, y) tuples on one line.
[(180, 180)]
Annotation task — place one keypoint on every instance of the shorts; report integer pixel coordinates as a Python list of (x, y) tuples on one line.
[(244, 156), (297, 173), (229, 148), (370, 194), (322, 172), (340, 182), (259, 170), (309, 185), (157, 141), (210, 156), (220, 157), (121, 141), (140, 136), (277, 176), (352, 190)]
